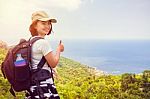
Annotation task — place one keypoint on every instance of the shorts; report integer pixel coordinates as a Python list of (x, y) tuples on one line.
[(46, 88)]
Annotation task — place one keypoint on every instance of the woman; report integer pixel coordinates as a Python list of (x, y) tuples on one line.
[(41, 26)]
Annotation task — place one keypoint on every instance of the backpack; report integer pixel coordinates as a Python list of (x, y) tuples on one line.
[(20, 76)]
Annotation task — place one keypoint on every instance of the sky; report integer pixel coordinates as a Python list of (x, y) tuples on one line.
[(78, 19)]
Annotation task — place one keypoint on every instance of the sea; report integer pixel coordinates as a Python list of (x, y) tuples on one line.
[(110, 56)]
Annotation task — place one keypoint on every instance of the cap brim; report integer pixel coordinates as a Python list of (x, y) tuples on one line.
[(48, 19)]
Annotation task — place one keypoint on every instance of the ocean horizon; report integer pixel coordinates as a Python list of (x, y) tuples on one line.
[(110, 56)]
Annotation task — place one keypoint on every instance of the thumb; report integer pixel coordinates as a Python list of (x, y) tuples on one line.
[(60, 42)]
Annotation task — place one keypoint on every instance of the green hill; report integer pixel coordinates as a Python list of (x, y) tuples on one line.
[(78, 81)]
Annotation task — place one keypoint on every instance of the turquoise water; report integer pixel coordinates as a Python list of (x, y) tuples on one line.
[(111, 56)]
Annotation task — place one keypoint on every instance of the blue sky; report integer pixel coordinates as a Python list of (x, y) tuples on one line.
[(78, 19)]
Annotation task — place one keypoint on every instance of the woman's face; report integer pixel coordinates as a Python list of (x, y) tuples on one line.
[(43, 27)]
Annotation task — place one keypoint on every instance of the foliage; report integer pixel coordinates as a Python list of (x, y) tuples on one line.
[(77, 81)]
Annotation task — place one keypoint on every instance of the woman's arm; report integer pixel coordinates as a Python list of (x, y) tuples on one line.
[(54, 59)]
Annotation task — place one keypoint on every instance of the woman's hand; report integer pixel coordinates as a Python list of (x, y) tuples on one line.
[(60, 47)]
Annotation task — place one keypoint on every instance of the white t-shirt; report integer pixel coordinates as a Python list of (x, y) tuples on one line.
[(39, 49)]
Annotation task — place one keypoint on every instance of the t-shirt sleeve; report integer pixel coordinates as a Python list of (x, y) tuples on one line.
[(45, 47)]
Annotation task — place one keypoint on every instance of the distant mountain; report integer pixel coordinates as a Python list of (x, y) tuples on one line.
[(3, 44)]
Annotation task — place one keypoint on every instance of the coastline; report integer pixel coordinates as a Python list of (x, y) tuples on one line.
[(95, 71)]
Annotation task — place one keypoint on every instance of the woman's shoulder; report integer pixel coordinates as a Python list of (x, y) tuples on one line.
[(40, 42)]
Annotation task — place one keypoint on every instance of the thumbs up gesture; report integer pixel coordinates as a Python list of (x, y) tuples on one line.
[(61, 46)]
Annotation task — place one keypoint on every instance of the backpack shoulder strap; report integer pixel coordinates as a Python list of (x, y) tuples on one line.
[(31, 41), (41, 64)]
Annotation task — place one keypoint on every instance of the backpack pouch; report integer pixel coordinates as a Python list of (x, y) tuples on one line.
[(22, 78), (22, 73)]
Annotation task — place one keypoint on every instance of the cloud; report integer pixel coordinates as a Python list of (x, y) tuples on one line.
[(10, 9), (63, 4), (15, 15), (91, 1)]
